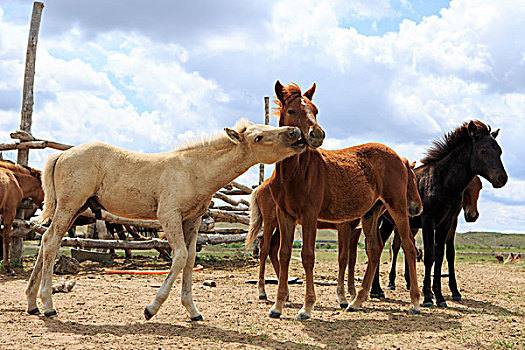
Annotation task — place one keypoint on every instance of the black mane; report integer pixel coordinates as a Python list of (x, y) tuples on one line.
[(440, 148)]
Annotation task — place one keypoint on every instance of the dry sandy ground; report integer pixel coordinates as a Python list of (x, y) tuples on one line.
[(106, 312)]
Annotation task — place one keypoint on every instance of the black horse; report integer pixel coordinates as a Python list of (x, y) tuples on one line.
[(451, 163)]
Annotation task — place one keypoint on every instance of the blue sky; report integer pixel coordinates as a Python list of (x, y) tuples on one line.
[(148, 75)]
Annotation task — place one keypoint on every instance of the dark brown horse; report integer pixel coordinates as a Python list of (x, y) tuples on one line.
[(263, 207), (334, 186), (16, 183), (471, 214), (451, 163)]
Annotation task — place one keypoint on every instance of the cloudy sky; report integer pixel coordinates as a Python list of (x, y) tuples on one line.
[(147, 75)]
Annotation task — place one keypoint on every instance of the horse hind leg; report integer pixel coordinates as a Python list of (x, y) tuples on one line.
[(190, 235), (343, 237), (175, 236), (8, 218), (400, 216), (267, 244), (374, 246), (51, 240)]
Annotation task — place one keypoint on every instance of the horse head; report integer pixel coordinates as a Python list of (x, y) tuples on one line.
[(267, 144), (414, 204), (470, 199), (298, 110), (486, 154)]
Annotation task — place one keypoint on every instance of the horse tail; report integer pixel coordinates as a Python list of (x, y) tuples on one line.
[(48, 185), (256, 221)]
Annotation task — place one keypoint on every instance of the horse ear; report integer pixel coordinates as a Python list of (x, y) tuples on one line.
[(413, 164), (472, 129), (310, 93), (233, 135), (494, 134), (279, 91)]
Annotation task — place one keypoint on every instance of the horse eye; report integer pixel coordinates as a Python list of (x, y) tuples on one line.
[(258, 138), (291, 111)]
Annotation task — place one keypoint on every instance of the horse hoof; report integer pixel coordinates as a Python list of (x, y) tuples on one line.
[(428, 304), (147, 314), (197, 318), (391, 288), (302, 317), (50, 313), (35, 311), (457, 298), (343, 305), (351, 309), (442, 304), (274, 314), (413, 311), (382, 295), (263, 297)]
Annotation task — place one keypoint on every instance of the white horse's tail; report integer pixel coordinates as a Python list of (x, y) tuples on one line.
[(48, 185), (256, 221)]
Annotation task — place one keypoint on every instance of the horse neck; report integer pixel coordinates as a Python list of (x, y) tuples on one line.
[(217, 166), (456, 169), (30, 185), (294, 169)]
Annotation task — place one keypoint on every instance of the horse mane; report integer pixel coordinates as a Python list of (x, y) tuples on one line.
[(214, 140), (441, 147), (289, 91), (21, 169)]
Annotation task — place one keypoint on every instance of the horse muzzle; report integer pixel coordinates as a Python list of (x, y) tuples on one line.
[(315, 137), (470, 217), (414, 209), (499, 179)]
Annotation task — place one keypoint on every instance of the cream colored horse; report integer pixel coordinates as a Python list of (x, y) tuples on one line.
[(174, 187)]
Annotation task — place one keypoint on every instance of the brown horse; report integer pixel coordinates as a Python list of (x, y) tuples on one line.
[(334, 186), (16, 183), (263, 207)]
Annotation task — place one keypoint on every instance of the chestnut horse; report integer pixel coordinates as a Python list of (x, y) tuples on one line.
[(471, 214), (263, 207), (175, 187), (450, 165), (16, 183), (333, 186)]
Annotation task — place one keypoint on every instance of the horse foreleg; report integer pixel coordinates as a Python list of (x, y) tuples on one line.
[(441, 235), (308, 259), (428, 259), (172, 225), (451, 256), (352, 257), (287, 228), (190, 228), (396, 244)]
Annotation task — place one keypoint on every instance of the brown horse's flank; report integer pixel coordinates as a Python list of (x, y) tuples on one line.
[(16, 183), (333, 186)]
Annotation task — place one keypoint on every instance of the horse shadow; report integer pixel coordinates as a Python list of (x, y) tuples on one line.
[(197, 331)]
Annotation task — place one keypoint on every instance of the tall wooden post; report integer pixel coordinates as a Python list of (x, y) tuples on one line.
[(266, 122), (27, 107)]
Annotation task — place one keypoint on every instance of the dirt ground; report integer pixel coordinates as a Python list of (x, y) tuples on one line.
[(106, 312)]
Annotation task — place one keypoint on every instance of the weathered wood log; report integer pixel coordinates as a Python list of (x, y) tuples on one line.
[(234, 192), (226, 231), (35, 144), (228, 200), (222, 216), (245, 188), (228, 208)]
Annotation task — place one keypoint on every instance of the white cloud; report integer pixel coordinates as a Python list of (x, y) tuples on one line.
[(180, 72)]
